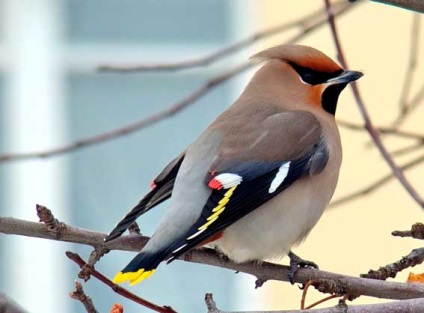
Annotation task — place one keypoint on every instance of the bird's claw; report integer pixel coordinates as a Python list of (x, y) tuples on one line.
[(297, 262)]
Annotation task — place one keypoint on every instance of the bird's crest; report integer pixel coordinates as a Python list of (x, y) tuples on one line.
[(303, 56)]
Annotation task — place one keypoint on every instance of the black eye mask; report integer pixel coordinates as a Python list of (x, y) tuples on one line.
[(313, 77)]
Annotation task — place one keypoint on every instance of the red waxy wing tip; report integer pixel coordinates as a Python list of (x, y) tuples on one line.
[(215, 184)]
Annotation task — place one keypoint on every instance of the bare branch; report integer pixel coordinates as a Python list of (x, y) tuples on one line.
[(88, 268), (383, 130), (412, 105), (80, 295), (304, 293), (404, 306), (7, 305), (159, 116), (118, 289), (327, 282), (128, 129), (412, 66), (414, 258), (364, 112), (374, 186), (404, 150), (417, 232), (414, 5), (321, 301), (339, 8)]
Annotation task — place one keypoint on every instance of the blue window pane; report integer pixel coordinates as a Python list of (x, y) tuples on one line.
[(108, 179), (147, 21)]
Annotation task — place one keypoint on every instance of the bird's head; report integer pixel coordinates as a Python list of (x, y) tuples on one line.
[(318, 76)]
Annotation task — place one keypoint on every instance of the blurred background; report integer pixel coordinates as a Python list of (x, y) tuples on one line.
[(51, 94)]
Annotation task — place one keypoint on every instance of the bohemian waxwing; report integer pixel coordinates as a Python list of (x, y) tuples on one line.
[(259, 177)]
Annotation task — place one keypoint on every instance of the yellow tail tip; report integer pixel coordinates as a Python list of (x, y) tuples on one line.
[(132, 277)]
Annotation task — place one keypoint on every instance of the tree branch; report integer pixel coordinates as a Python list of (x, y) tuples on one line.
[(404, 306), (326, 282), (161, 115), (407, 149), (374, 186), (391, 270), (365, 115), (79, 294), (383, 130), (130, 128), (417, 232), (411, 69), (118, 289), (339, 8), (414, 5), (7, 305)]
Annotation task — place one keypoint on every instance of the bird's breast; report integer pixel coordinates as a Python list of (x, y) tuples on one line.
[(271, 230)]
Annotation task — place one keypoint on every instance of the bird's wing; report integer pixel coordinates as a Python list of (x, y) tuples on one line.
[(162, 187), (252, 168)]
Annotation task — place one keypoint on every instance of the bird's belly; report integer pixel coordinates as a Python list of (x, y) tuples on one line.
[(272, 229)]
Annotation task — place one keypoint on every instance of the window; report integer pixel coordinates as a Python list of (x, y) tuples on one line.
[(148, 21), (106, 180)]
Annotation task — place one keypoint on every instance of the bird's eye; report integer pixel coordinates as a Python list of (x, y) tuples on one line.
[(307, 77), (313, 77)]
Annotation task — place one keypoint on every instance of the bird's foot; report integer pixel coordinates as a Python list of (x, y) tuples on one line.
[(295, 263)]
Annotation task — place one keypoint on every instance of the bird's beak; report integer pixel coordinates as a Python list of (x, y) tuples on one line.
[(345, 77)]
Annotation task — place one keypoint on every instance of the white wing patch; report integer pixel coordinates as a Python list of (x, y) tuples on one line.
[(176, 250), (228, 180), (196, 234), (279, 178)]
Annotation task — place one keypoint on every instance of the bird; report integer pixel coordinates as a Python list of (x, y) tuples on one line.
[(259, 178)]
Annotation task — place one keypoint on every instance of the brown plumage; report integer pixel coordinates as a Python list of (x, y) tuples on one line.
[(260, 176)]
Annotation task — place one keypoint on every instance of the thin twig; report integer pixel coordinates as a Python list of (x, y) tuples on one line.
[(374, 186), (321, 301), (365, 115), (412, 105), (417, 232), (94, 257), (161, 115), (128, 129), (412, 65), (411, 148), (304, 293), (414, 5), (80, 295), (404, 306), (391, 270), (7, 305), (330, 282), (383, 130), (118, 289), (338, 7)]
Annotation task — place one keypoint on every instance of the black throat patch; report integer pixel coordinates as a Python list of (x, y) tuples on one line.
[(330, 97)]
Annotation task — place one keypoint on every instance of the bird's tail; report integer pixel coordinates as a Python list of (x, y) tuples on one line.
[(140, 268)]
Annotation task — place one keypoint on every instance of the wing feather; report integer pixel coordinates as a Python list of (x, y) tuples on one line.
[(162, 186)]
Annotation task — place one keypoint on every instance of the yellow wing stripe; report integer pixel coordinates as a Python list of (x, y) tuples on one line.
[(132, 277), (230, 191), (204, 226), (216, 214), (218, 209)]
